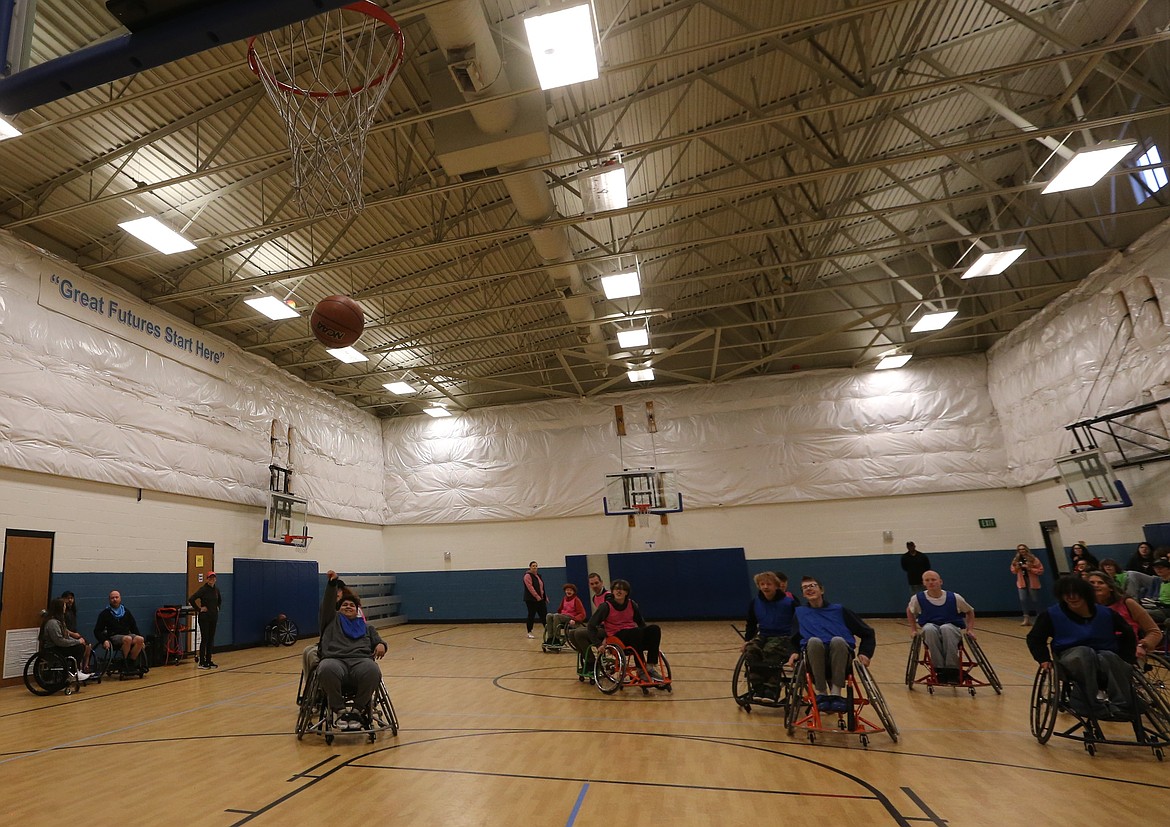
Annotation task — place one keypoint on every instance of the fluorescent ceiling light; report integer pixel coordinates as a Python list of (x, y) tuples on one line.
[(272, 307), (1089, 165), (934, 321), (638, 337), (621, 285), (400, 388), (436, 411), (894, 361), (349, 355), (603, 189), (7, 130), (643, 375), (562, 47), (994, 262), (157, 234)]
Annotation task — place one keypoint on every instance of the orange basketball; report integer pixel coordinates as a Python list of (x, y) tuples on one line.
[(337, 321)]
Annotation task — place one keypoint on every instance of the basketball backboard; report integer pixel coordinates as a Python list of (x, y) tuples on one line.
[(637, 490), (163, 31), (287, 520), (1090, 482)]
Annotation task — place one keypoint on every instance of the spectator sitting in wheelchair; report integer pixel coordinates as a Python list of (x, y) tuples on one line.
[(54, 637), (569, 614), (117, 629), (348, 649), (1093, 645), (767, 634), (822, 626), (941, 617), (620, 617)]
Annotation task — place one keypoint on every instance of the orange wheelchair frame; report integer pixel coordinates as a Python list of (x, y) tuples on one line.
[(617, 664), (971, 656), (863, 694)]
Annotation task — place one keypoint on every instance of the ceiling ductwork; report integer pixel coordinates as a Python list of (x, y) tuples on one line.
[(505, 134)]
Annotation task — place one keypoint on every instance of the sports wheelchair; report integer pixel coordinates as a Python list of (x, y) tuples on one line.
[(860, 690), (559, 643), (971, 657), (616, 665), (1052, 696), (46, 672), (773, 694), (314, 716), (108, 662)]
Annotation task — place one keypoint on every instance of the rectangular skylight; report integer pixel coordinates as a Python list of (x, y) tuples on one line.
[(349, 355), (994, 262), (894, 361), (400, 388), (638, 337), (934, 321), (157, 234), (272, 307), (621, 285), (603, 189), (7, 130), (1089, 165), (642, 375), (562, 45), (436, 411)]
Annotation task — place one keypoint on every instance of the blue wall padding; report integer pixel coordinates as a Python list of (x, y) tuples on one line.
[(696, 584), (577, 573), (262, 589), (484, 594), (1156, 534), (142, 595)]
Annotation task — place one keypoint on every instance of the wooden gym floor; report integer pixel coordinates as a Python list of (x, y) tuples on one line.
[(495, 732)]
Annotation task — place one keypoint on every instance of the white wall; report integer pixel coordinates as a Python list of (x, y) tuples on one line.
[(947, 521), (103, 527)]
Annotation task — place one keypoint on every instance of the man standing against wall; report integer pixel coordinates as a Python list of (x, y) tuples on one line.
[(206, 601), (915, 564)]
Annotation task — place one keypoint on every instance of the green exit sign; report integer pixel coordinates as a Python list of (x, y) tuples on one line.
[(987, 522)]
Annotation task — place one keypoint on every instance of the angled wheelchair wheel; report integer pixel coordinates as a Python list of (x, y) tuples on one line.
[(741, 689), (1153, 703), (310, 710), (977, 655), (45, 673), (876, 700), (609, 669), (383, 711), (664, 668), (283, 632), (797, 696), (1045, 699), (912, 660), (1156, 670)]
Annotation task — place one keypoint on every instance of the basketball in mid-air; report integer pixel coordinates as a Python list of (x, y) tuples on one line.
[(337, 321)]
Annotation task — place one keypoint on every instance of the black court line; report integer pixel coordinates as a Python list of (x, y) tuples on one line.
[(420, 639), (600, 696), (875, 794), (930, 814)]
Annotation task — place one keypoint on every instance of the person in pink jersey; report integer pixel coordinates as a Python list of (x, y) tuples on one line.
[(620, 617), (569, 614)]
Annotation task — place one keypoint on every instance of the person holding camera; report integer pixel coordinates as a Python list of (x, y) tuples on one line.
[(1027, 568)]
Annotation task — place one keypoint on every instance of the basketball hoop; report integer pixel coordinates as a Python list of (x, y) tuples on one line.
[(327, 77), (298, 540), (1078, 512), (643, 514)]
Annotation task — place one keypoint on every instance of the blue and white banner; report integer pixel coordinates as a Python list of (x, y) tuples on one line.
[(108, 309)]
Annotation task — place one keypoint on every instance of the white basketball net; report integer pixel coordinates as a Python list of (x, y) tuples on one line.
[(327, 77)]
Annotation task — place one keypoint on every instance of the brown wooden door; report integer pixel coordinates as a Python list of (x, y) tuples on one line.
[(200, 560), (28, 570)]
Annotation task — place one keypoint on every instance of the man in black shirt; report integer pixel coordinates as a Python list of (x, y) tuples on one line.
[(915, 564), (206, 601)]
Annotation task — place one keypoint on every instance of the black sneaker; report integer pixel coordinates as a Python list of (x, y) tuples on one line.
[(212, 665)]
